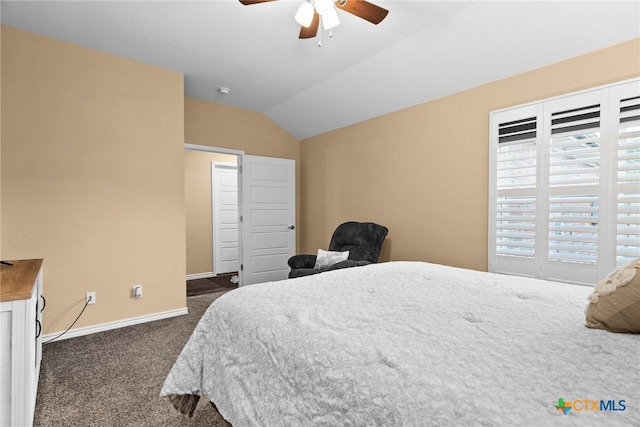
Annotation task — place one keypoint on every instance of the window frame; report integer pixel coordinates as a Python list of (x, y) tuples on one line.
[(608, 99)]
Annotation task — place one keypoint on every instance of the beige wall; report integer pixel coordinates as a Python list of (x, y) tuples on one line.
[(93, 174), (93, 178), (423, 171), (197, 187), (217, 125)]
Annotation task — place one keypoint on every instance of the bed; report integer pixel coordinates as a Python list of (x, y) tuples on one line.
[(407, 344)]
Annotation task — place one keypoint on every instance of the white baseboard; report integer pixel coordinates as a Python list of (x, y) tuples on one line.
[(73, 333), (200, 276)]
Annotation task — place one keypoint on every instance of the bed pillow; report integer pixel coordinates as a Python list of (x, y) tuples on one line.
[(614, 304), (326, 259)]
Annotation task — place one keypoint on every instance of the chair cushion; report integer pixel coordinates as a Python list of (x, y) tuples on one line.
[(301, 272), (326, 259)]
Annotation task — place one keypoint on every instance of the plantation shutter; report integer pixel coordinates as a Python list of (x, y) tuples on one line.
[(516, 186), (514, 227), (628, 176), (574, 187), (564, 194)]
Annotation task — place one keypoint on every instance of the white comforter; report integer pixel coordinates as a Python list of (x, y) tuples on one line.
[(411, 344)]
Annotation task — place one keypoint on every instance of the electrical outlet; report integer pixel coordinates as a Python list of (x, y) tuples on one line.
[(136, 292), (91, 297)]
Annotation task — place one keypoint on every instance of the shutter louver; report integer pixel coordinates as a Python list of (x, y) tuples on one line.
[(628, 198), (516, 226), (574, 157), (516, 183), (574, 161), (573, 229), (517, 130)]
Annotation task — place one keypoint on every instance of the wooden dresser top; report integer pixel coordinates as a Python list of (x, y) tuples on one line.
[(17, 280)]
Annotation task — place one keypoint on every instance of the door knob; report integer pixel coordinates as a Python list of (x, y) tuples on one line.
[(291, 227)]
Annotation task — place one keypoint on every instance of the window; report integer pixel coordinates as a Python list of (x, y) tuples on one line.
[(565, 185)]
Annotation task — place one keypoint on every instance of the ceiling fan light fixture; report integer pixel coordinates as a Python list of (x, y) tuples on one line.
[(311, 12), (324, 7), (304, 15), (330, 19)]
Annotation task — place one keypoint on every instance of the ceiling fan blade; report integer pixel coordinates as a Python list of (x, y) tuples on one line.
[(363, 9), (310, 31), (249, 2)]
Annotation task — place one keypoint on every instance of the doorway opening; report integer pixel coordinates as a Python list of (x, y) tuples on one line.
[(212, 200), (265, 211)]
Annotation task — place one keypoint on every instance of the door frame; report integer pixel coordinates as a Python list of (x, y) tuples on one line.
[(239, 154)]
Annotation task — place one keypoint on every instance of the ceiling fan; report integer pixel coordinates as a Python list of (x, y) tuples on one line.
[(310, 13)]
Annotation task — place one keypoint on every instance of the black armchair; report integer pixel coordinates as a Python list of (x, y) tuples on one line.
[(363, 240)]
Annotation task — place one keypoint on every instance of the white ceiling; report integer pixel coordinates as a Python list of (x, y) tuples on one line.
[(423, 50)]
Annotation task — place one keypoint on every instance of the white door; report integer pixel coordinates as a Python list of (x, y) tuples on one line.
[(224, 183), (268, 218)]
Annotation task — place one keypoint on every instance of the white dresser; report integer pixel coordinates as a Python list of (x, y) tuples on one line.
[(21, 305)]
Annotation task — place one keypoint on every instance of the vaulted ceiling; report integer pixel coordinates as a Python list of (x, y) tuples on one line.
[(423, 50)]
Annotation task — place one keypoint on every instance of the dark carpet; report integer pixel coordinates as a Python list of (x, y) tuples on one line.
[(113, 378)]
